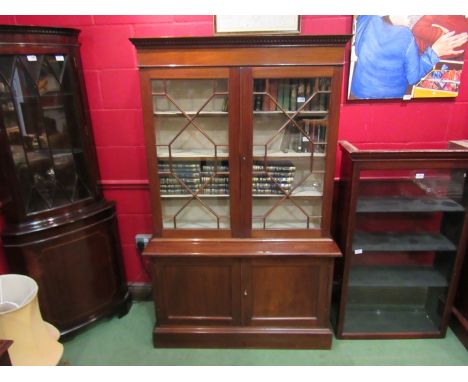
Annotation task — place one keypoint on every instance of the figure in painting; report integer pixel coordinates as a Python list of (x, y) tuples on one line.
[(388, 59), (429, 28)]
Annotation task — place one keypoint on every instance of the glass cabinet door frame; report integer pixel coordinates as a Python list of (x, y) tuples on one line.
[(354, 163), (248, 76), (71, 51), (240, 122), (231, 75)]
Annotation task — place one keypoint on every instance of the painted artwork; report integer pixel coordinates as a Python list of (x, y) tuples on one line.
[(407, 56)]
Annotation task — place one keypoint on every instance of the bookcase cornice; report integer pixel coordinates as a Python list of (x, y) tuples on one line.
[(240, 41)]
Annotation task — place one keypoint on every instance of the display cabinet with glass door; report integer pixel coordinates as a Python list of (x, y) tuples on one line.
[(59, 230), (404, 232), (241, 142)]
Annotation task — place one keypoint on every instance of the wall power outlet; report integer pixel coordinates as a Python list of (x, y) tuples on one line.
[(142, 240)]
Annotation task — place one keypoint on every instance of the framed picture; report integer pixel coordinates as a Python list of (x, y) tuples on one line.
[(407, 57), (241, 24)]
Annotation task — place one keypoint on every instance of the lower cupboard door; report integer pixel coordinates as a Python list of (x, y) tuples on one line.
[(287, 292), (201, 292)]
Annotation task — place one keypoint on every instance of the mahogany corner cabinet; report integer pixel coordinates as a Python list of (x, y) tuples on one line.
[(403, 232), (241, 139), (58, 228)]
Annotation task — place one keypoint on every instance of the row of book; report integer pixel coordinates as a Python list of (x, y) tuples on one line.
[(280, 177), (292, 94), (192, 176), (314, 140)]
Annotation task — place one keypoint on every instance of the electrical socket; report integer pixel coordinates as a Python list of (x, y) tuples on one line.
[(142, 240)]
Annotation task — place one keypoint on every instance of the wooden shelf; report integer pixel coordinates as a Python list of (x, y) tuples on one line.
[(286, 225), (197, 225), (208, 153), (191, 113), (188, 154), (297, 193), (396, 276), (302, 192), (260, 153), (306, 113), (407, 204), (188, 196), (397, 242)]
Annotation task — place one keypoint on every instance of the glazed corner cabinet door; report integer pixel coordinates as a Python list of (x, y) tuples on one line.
[(241, 142), (59, 230), (403, 234)]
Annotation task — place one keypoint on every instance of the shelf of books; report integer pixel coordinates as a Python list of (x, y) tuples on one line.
[(286, 95)]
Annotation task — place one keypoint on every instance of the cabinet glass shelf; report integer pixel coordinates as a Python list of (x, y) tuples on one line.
[(396, 276), (395, 319), (407, 204), (397, 242)]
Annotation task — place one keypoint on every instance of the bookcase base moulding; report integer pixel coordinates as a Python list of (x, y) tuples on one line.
[(242, 293)]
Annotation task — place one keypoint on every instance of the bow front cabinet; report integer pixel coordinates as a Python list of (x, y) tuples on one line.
[(59, 230)]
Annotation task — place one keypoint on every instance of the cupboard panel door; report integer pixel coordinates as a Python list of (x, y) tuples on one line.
[(286, 292), (197, 291)]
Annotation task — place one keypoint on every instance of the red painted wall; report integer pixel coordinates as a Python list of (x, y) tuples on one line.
[(111, 76)]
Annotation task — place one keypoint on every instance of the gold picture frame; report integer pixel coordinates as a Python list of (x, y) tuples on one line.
[(256, 24)]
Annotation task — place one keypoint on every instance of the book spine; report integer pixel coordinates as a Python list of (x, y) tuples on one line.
[(293, 96), (280, 95), (301, 93), (287, 95), (274, 94)]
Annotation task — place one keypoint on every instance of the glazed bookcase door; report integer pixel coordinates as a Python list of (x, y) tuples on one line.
[(191, 125), (408, 228), (293, 133), (38, 101)]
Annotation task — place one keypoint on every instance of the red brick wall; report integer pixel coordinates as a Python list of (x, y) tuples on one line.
[(111, 77)]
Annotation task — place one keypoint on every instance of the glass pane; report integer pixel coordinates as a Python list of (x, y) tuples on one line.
[(57, 65), (191, 129), (43, 132), (48, 82), (408, 225), (6, 69), (289, 148)]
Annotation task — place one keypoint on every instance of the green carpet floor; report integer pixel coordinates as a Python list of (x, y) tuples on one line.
[(128, 341)]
